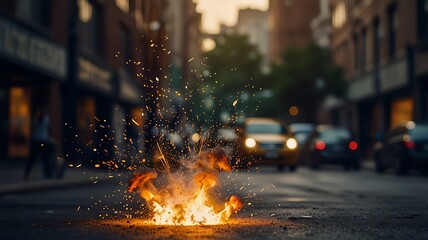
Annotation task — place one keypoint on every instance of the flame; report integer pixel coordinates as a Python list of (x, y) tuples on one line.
[(184, 198)]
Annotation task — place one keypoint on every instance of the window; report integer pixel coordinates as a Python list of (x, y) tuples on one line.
[(138, 15), (339, 15), (34, 11), (363, 49), (123, 5), (377, 30), (356, 52), (90, 27), (392, 29), (126, 48), (423, 18)]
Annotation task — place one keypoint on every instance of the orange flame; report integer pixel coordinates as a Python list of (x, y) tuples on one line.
[(185, 198)]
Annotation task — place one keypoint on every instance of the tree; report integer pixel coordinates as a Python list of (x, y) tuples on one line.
[(234, 69), (304, 78)]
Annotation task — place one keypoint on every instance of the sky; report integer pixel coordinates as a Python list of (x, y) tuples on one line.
[(215, 12)]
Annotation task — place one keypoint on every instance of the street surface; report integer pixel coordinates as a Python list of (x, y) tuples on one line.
[(325, 204)]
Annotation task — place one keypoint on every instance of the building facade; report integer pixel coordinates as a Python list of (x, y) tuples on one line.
[(184, 40), (321, 25), (289, 24), (87, 62), (379, 43), (34, 65), (254, 23)]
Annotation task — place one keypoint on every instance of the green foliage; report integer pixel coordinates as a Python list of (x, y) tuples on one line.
[(234, 67), (304, 78), (234, 63)]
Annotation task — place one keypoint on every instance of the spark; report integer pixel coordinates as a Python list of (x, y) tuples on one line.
[(235, 102), (135, 122)]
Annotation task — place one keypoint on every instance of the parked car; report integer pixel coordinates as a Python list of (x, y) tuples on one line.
[(404, 147), (266, 141), (302, 132), (335, 145)]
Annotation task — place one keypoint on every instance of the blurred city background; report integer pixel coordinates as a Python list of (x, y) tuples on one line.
[(104, 69), (93, 90)]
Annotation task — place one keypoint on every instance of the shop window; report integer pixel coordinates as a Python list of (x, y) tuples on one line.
[(86, 120), (34, 11), (90, 26), (19, 122), (401, 111), (135, 130)]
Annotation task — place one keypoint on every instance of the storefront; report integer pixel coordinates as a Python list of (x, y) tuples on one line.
[(375, 109), (94, 111), (33, 67), (129, 118)]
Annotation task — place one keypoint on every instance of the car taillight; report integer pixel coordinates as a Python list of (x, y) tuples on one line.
[(409, 144), (353, 145), (320, 145)]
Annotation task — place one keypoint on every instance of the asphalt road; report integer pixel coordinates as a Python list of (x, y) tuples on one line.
[(324, 204)]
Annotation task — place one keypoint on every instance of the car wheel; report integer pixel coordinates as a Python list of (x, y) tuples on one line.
[(292, 168)]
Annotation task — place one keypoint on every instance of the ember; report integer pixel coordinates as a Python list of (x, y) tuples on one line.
[(184, 197)]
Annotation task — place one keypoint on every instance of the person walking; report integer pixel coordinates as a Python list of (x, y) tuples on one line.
[(42, 145)]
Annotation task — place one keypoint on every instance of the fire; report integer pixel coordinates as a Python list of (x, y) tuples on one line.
[(185, 196)]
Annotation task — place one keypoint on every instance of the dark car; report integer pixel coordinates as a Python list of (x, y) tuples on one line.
[(404, 147), (336, 145), (267, 141), (302, 132)]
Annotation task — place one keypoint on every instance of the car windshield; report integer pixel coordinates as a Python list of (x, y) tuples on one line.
[(297, 128), (269, 128), (334, 134), (419, 131)]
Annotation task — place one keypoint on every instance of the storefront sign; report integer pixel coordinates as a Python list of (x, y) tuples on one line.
[(393, 76), (361, 88), (27, 49), (95, 76)]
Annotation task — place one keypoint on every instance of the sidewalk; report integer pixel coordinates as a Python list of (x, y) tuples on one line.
[(12, 177)]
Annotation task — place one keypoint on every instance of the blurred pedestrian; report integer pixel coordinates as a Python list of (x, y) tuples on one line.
[(42, 145)]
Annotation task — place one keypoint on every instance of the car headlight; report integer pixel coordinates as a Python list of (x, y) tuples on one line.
[(291, 143), (250, 142)]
